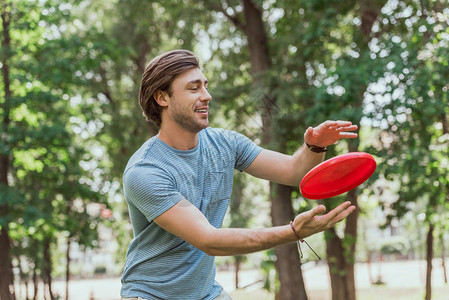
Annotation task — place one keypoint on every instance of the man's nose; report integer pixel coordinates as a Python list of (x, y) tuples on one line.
[(206, 96)]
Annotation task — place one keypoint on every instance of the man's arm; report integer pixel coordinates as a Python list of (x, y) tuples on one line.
[(187, 222), (290, 169), (282, 168)]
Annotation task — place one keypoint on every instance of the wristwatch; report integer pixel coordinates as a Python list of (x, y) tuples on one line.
[(316, 149)]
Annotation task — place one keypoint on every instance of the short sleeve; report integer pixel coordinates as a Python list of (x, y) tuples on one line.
[(245, 150), (151, 190)]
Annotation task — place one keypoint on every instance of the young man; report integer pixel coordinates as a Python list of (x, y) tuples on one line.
[(178, 186)]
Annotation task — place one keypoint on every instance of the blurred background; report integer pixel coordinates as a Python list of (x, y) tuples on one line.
[(70, 120)]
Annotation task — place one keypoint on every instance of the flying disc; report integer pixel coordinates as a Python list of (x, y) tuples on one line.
[(337, 175)]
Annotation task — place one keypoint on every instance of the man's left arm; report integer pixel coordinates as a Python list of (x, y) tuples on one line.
[(290, 169)]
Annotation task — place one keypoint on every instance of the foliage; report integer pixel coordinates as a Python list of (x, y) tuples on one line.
[(414, 144), (75, 119), (49, 190), (394, 245)]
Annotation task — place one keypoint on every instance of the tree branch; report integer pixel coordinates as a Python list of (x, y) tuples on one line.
[(233, 18)]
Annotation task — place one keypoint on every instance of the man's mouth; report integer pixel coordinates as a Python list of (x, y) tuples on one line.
[(202, 110)]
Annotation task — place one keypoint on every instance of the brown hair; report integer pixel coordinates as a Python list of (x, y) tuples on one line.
[(159, 75)]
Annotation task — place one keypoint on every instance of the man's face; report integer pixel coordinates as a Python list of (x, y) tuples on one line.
[(189, 101)]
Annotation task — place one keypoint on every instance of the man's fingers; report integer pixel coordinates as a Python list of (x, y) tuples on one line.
[(310, 223), (343, 128), (348, 135), (339, 213), (309, 131), (316, 211), (347, 127), (339, 209), (344, 214), (330, 123), (337, 124)]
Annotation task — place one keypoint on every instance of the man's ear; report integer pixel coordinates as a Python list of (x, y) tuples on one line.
[(161, 98)]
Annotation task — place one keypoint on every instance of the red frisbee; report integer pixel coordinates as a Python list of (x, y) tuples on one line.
[(337, 175)]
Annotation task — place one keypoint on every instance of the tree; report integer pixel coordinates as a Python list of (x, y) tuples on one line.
[(287, 63), (39, 146), (333, 51), (113, 74), (414, 147), (247, 16), (6, 273)]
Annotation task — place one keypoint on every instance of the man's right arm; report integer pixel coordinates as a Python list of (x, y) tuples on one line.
[(187, 222)]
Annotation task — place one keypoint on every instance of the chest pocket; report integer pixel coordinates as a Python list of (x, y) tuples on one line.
[(217, 190), (219, 199)]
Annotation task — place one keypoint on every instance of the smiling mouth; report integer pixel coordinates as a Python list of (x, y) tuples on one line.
[(201, 110)]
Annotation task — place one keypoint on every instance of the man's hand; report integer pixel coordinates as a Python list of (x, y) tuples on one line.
[(310, 222), (329, 132)]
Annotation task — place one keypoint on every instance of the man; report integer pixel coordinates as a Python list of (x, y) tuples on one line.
[(178, 186)]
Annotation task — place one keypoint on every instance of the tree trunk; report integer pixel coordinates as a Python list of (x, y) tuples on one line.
[(336, 264), (445, 123), (35, 284), (429, 257), (27, 293), (341, 255), (237, 270), (67, 269), (368, 264), (257, 37), (260, 62), (46, 269), (351, 238), (24, 279), (6, 273), (443, 257), (287, 263), (237, 221), (368, 256), (341, 266)]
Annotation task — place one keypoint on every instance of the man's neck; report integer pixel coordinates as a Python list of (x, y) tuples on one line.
[(178, 138)]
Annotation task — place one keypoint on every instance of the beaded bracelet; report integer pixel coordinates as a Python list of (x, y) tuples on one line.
[(302, 241)]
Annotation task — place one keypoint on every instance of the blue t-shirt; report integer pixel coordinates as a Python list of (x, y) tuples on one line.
[(159, 265)]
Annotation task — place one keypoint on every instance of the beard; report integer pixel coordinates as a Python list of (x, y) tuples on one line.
[(186, 120)]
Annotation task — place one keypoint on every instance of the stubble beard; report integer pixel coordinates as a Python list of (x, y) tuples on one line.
[(186, 121)]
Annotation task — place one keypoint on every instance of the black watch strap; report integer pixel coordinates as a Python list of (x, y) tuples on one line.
[(316, 149)]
